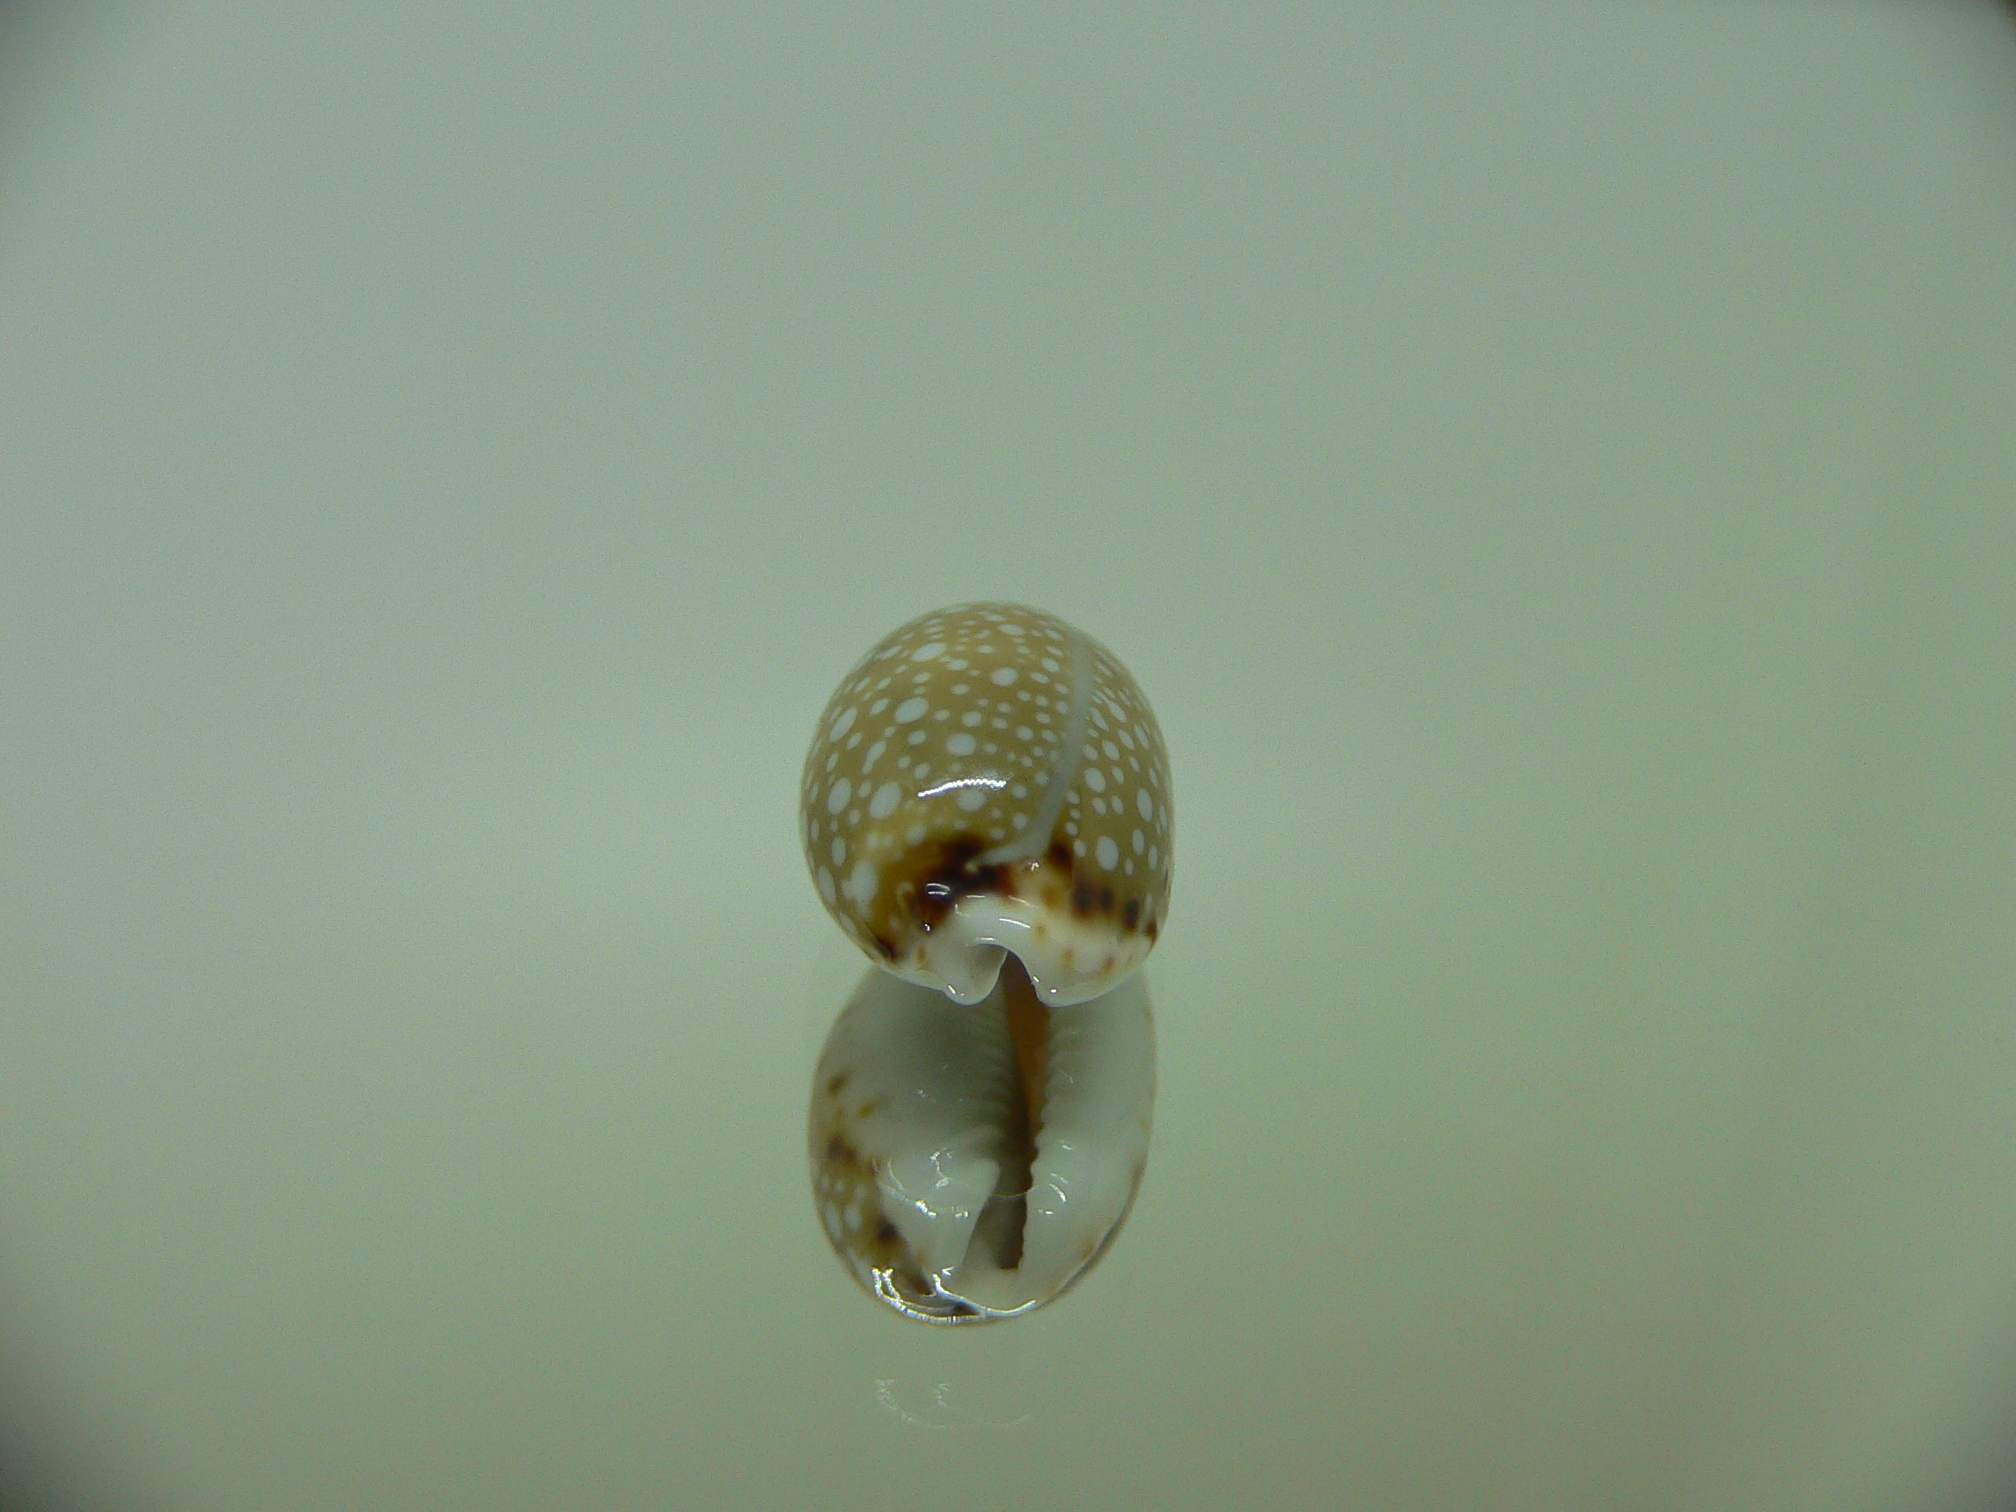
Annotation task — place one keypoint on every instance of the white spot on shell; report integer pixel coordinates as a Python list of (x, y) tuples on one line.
[(887, 796), (960, 745), (1144, 805), (844, 723), (1107, 853), (1095, 779), (1001, 677), (861, 884), (1140, 842), (911, 710), (839, 795), (972, 799), (929, 651)]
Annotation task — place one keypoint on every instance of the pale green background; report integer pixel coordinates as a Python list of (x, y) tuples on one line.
[(1550, 466)]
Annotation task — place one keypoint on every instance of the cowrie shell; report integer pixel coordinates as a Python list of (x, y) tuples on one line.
[(990, 781)]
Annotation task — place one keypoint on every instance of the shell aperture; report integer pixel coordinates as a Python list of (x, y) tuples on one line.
[(990, 781), (969, 1163)]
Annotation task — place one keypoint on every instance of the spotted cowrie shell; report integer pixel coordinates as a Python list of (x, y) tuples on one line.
[(989, 780)]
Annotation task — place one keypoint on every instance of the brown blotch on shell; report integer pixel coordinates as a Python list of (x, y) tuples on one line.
[(841, 1154), (1092, 900), (930, 879)]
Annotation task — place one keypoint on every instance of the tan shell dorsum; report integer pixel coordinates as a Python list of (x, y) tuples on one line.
[(990, 780)]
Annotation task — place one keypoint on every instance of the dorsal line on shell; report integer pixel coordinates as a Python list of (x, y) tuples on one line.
[(1035, 839)]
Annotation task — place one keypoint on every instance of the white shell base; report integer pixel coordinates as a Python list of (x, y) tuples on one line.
[(1069, 960)]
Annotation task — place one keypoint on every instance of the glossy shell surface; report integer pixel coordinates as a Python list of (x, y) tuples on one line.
[(971, 1163), (990, 780)]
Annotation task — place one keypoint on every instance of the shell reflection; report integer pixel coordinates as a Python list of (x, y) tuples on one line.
[(970, 1163)]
